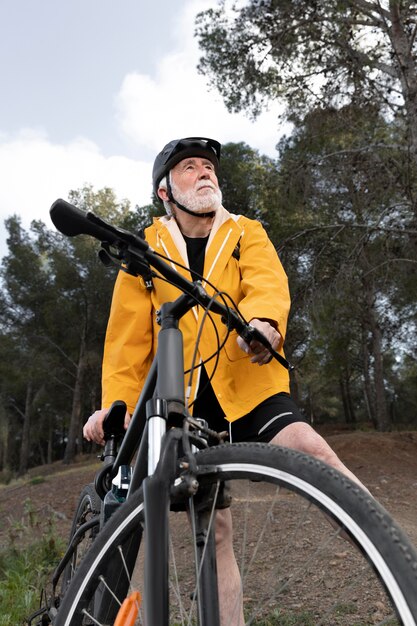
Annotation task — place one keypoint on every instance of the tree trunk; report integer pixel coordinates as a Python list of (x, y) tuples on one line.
[(25, 443), (74, 427), (350, 403), (311, 406), (372, 324), (382, 417), (294, 387), (368, 391), (50, 444), (350, 417), (403, 48), (41, 454), (4, 443)]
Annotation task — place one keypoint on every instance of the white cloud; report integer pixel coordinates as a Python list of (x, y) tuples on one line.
[(176, 102), (35, 172)]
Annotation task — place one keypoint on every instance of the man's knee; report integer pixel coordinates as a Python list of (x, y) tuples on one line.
[(302, 437)]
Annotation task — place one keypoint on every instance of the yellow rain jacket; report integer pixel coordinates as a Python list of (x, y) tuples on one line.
[(256, 282)]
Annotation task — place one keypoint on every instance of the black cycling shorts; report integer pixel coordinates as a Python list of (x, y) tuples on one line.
[(266, 420), (261, 424)]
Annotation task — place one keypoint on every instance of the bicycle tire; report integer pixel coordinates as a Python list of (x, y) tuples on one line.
[(89, 505), (369, 579)]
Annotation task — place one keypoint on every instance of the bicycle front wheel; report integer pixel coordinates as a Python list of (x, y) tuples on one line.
[(310, 548)]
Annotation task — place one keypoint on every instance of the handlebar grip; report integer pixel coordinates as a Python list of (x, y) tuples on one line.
[(251, 333), (71, 221)]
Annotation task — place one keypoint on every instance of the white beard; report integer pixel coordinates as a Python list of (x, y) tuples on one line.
[(209, 200)]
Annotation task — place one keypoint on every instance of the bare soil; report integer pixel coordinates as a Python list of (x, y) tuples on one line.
[(385, 462)]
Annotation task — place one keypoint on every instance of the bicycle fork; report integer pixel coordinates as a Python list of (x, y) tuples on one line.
[(206, 569), (157, 491), (168, 398)]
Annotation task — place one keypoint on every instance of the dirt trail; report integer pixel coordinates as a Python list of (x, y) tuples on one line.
[(385, 462)]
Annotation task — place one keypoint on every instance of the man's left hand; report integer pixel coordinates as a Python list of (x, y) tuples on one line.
[(260, 354)]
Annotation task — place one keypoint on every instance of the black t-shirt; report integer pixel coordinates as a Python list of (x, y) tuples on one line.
[(196, 250), (206, 404)]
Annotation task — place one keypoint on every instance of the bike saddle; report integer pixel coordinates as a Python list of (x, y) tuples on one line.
[(113, 424)]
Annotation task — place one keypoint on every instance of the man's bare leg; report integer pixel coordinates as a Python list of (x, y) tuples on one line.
[(302, 437), (228, 576)]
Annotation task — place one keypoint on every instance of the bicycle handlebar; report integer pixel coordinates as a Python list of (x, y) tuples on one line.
[(72, 221)]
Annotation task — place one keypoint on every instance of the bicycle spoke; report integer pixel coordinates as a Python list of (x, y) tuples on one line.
[(87, 614), (175, 584), (286, 579), (195, 550), (109, 589)]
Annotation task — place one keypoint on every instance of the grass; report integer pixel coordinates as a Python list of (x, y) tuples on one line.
[(278, 618), (25, 565), (37, 480)]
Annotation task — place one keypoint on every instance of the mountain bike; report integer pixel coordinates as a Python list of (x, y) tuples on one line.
[(311, 547)]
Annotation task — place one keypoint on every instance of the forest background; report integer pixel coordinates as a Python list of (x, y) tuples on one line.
[(339, 203)]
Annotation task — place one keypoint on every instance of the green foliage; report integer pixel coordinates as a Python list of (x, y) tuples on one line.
[(307, 53), (25, 566), (37, 480), (247, 180), (348, 240), (53, 314)]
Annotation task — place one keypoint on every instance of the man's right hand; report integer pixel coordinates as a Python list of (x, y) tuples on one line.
[(93, 429)]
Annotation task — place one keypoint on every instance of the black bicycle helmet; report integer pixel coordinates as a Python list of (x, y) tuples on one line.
[(179, 149)]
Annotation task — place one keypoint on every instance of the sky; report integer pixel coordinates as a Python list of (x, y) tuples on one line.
[(91, 90)]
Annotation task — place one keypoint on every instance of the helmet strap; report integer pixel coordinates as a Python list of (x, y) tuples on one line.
[(181, 206)]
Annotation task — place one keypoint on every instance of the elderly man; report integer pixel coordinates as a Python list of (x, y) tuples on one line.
[(235, 254)]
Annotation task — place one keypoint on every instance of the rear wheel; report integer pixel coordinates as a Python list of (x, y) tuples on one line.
[(311, 548), (88, 510)]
